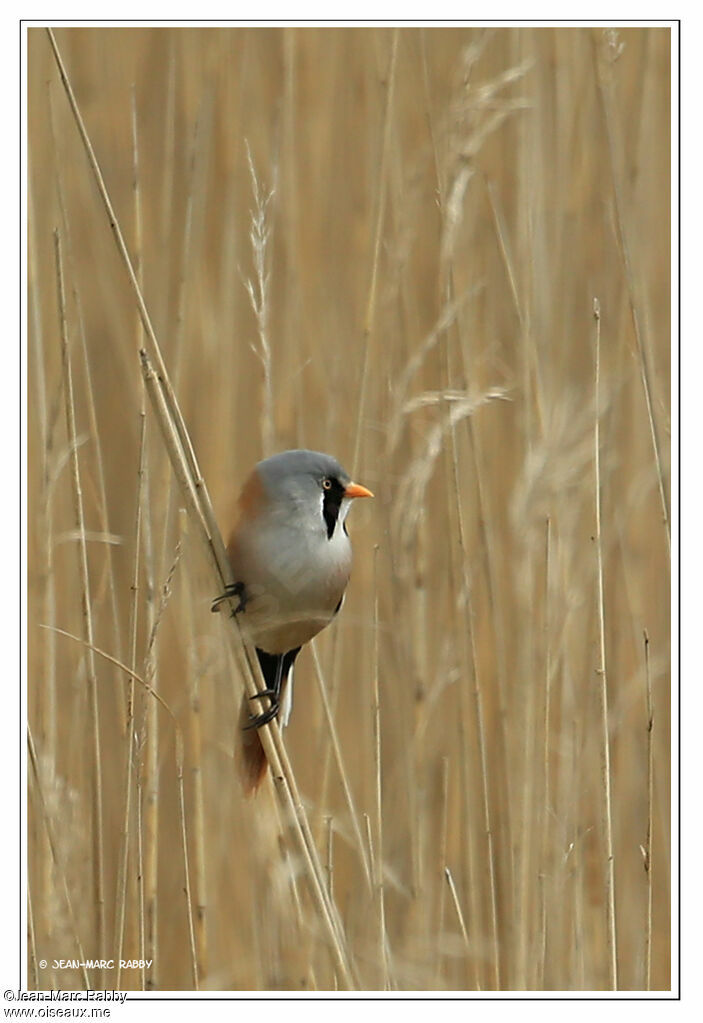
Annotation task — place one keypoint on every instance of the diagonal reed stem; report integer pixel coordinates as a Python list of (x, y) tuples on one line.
[(97, 795), (199, 507), (605, 739)]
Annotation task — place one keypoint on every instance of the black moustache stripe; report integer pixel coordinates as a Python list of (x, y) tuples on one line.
[(331, 503)]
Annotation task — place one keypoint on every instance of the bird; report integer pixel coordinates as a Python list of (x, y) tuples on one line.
[(291, 556)]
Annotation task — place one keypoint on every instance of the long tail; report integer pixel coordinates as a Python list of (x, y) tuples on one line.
[(251, 758)]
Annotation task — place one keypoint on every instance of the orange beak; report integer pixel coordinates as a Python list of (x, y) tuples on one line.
[(356, 490)]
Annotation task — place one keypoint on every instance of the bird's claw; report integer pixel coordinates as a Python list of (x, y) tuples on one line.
[(232, 590), (270, 693), (258, 720)]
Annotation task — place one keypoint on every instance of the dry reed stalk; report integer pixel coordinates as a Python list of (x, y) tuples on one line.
[(486, 519), (331, 731), (567, 810), (178, 749), (369, 841), (292, 801), (303, 953), (485, 800), (332, 688), (329, 861), (478, 704), (290, 872), (198, 147), (132, 752), (123, 668), (169, 398), (488, 549), (442, 860), (605, 737), (419, 653), (147, 746), (47, 710), (466, 788), (378, 789), (526, 875), (459, 584), (59, 866), (447, 317), (186, 468), (544, 859), (647, 850), (94, 432), (169, 124), (147, 751), (122, 878), (578, 918), (97, 795), (381, 195), (151, 783), (258, 291), (452, 182), (186, 870), (292, 336), (149, 659), (369, 845), (141, 912), (604, 64), (527, 292), (569, 881), (137, 204), (457, 908), (196, 770), (162, 486), (33, 960), (108, 578), (542, 934)]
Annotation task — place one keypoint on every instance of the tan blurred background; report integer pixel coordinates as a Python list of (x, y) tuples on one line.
[(438, 209)]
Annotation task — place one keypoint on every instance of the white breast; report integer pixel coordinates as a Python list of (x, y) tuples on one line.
[(294, 576)]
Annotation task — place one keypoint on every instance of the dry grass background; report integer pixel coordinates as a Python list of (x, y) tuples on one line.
[(445, 205)]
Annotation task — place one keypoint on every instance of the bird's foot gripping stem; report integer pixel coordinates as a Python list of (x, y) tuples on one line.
[(257, 720), (233, 590)]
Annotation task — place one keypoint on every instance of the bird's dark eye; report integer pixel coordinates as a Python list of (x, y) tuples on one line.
[(327, 484)]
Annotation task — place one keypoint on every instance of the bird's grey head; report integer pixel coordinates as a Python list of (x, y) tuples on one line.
[(292, 473), (312, 482)]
